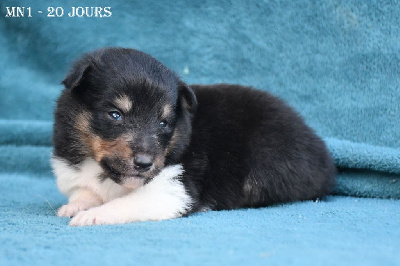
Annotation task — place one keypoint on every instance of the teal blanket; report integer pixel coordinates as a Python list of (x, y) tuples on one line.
[(336, 62)]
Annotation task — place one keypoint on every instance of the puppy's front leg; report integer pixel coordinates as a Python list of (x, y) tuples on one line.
[(165, 197), (81, 199)]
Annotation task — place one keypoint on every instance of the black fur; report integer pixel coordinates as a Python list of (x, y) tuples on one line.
[(239, 147)]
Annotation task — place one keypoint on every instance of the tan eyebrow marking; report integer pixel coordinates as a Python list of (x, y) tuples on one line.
[(123, 103), (166, 111)]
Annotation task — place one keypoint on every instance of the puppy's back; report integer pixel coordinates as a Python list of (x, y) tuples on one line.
[(258, 150)]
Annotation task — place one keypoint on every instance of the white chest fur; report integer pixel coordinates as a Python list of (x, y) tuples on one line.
[(86, 175), (165, 197)]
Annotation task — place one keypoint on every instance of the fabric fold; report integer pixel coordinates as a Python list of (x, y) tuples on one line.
[(364, 170)]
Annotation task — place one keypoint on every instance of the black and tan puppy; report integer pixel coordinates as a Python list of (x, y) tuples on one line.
[(132, 142)]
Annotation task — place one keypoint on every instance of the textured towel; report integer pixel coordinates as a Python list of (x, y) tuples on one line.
[(336, 62), (339, 231)]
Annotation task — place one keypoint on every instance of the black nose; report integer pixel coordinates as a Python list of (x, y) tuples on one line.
[(143, 162)]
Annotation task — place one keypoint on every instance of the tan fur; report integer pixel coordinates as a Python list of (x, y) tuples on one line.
[(172, 142), (123, 103), (82, 123), (159, 160), (99, 148), (119, 148), (166, 111), (83, 126)]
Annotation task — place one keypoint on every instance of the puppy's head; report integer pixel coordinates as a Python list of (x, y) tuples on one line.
[(135, 114)]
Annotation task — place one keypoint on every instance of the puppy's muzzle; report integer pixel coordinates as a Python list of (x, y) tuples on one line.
[(143, 162)]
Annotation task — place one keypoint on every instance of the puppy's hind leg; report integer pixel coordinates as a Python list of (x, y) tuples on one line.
[(165, 197)]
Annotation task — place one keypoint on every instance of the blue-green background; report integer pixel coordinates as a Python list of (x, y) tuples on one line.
[(336, 62)]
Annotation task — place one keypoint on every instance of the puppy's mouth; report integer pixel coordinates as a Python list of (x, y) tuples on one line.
[(128, 177), (132, 182)]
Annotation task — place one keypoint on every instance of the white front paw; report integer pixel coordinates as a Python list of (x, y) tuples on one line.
[(70, 209), (93, 216)]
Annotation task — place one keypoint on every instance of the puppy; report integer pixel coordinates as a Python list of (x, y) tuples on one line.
[(132, 142)]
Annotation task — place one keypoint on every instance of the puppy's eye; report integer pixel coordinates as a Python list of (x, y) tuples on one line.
[(163, 124), (115, 115)]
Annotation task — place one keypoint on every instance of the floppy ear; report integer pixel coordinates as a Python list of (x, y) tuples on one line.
[(76, 74), (187, 97)]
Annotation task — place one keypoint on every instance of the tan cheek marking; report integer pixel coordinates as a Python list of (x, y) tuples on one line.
[(82, 123), (98, 148), (172, 142), (119, 148), (159, 161), (123, 103), (83, 127)]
